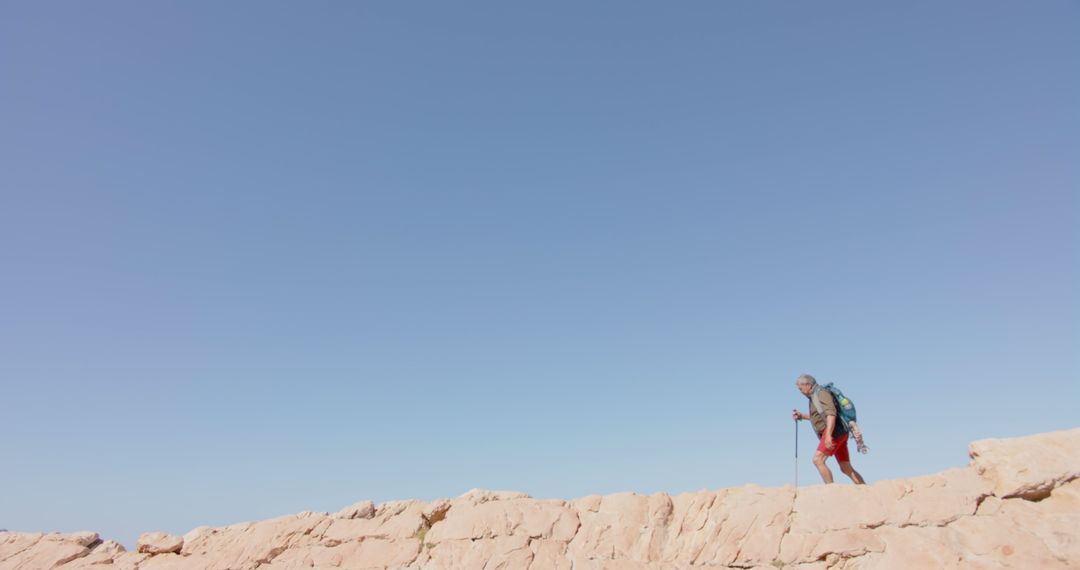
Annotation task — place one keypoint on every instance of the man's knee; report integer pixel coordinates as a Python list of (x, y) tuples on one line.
[(819, 459), (846, 468)]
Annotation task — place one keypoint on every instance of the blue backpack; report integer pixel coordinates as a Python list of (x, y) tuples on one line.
[(845, 408)]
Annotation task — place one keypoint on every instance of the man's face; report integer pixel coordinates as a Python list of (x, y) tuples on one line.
[(804, 388)]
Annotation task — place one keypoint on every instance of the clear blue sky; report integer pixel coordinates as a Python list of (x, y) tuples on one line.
[(259, 258)]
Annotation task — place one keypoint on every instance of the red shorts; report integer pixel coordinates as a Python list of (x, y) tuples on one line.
[(839, 449)]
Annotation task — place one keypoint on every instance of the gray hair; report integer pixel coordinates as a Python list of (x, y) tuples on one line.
[(806, 379)]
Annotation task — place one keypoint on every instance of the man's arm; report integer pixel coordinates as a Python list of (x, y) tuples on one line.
[(830, 423)]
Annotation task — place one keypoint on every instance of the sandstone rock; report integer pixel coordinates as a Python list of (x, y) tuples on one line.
[(528, 517), (746, 526), (361, 510), (1016, 506), (1044, 521), (436, 511), (84, 538), (611, 530), (499, 552), (370, 553), (590, 503), (158, 543), (192, 536), (29, 551), (243, 545), (841, 544), (1028, 467), (400, 519), (477, 496), (110, 547), (104, 552), (549, 554)]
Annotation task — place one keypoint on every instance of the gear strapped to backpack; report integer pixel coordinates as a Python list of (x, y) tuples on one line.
[(845, 412)]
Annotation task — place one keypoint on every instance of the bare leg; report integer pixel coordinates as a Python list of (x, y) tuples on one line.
[(819, 462), (850, 471)]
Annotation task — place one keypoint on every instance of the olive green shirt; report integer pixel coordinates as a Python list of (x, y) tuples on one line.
[(828, 408)]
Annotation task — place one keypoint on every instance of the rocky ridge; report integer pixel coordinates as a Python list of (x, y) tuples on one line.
[(1016, 505)]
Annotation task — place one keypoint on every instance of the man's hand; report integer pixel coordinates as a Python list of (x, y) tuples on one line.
[(795, 415), (829, 443)]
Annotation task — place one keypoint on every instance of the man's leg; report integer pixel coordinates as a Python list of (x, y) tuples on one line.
[(819, 462), (850, 471), (844, 460)]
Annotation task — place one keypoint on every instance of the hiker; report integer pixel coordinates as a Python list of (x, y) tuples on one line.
[(831, 431)]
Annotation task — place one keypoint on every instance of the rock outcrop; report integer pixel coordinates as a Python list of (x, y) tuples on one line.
[(159, 543), (1017, 505)]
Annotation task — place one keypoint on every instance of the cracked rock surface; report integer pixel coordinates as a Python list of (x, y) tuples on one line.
[(1017, 505)]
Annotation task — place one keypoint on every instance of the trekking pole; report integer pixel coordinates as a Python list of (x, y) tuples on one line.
[(796, 454)]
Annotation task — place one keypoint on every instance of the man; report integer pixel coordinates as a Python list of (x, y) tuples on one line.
[(829, 429)]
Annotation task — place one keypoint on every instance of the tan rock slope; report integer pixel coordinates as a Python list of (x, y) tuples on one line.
[(1017, 505)]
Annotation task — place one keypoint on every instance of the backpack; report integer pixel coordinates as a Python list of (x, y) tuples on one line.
[(845, 408), (845, 412)]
